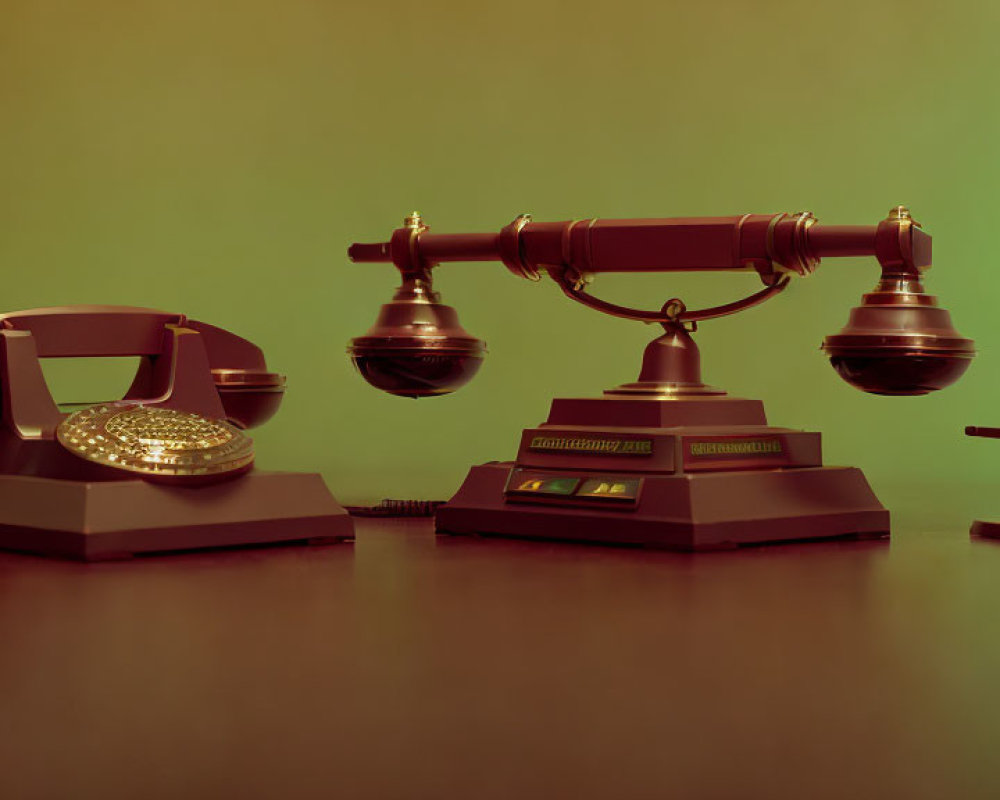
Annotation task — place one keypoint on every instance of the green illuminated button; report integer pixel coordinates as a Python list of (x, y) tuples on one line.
[(536, 484)]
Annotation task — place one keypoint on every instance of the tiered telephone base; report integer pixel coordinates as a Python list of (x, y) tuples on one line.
[(692, 474), (101, 520), (683, 512)]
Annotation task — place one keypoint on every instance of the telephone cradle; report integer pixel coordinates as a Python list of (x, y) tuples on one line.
[(53, 502), (666, 461)]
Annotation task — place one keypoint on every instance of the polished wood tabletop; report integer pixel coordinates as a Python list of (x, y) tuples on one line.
[(413, 666)]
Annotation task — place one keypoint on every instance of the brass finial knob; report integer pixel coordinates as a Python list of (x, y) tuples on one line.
[(413, 220), (902, 213)]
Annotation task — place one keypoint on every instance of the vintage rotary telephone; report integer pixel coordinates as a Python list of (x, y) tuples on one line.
[(165, 468), (666, 460)]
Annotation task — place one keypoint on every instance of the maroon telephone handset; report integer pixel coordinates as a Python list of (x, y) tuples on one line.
[(899, 341), (187, 365)]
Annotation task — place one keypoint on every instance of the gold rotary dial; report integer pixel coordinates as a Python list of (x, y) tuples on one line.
[(156, 442)]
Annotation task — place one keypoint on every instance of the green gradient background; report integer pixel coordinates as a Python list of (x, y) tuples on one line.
[(217, 159)]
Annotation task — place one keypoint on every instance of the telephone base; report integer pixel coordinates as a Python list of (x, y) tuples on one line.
[(101, 520), (693, 511)]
